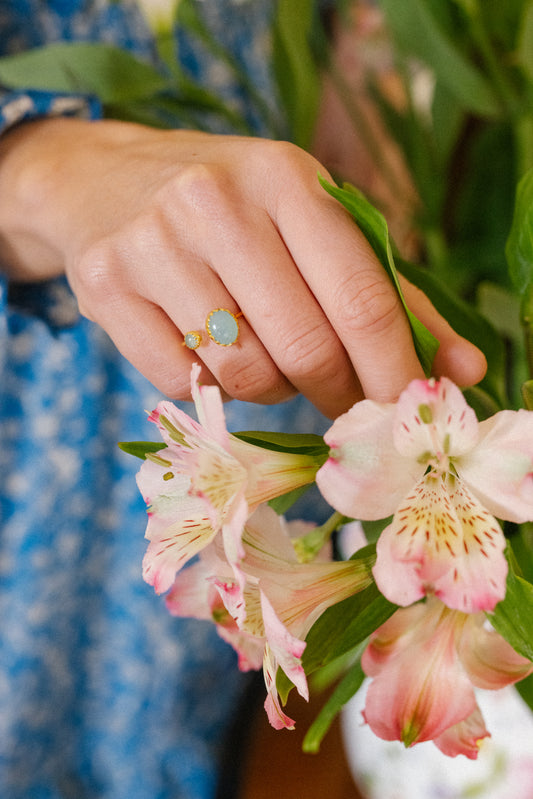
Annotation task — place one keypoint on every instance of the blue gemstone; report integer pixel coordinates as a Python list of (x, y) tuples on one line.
[(223, 327)]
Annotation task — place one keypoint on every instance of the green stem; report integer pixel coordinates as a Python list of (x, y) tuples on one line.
[(308, 546)]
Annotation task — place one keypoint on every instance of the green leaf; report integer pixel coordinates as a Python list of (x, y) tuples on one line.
[(297, 443), (108, 72), (525, 689), (522, 544), (524, 51), (374, 227), (282, 504), (295, 68), (141, 448), (466, 321), (343, 692), (513, 616), (519, 247), (418, 31)]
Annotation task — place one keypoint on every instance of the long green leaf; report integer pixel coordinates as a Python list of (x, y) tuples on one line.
[(299, 443), (345, 625), (513, 616), (374, 227), (343, 692), (524, 51), (417, 30), (140, 449), (519, 247), (295, 68), (283, 503), (108, 72)]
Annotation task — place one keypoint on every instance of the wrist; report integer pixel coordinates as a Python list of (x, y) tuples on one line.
[(26, 249)]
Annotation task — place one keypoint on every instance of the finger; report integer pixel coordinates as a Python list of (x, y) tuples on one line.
[(148, 293), (457, 358), (150, 341), (260, 276), (188, 290)]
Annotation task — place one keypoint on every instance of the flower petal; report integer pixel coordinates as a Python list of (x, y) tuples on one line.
[(490, 661), (285, 647), (277, 718), (192, 595), (422, 689), (432, 416), (478, 578), (298, 592), (249, 649), (392, 638), (169, 550), (442, 541), (209, 408), (500, 468), (464, 738), (365, 477), (420, 545), (271, 473)]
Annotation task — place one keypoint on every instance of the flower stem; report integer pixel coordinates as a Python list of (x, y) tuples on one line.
[(308, 546)]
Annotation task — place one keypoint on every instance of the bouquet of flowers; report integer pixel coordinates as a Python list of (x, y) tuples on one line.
[(435, 604)]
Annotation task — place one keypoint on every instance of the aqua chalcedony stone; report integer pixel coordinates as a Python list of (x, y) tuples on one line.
[(192, 340), (223, 327)]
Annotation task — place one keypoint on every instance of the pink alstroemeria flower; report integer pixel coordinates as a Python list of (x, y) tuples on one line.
[(206, 482), (281, 600), (444, 476), (195, 595), (425, 661)]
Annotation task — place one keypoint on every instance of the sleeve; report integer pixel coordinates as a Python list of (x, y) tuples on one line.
[(21, 106)]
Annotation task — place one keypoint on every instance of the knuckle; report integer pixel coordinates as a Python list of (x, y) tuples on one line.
[(288, 165), (248, 381), (200, 188), (311, 353), (282, 153), (95, 278), (172, 385), (367, 305)]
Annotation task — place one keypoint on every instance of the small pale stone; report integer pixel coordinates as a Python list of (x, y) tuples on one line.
[(223, 327), (192, 340)]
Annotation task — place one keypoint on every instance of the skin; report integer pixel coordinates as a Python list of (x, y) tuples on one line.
[(154, 229)]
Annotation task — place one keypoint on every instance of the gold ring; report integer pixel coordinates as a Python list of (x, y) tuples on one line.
[(192, 340)]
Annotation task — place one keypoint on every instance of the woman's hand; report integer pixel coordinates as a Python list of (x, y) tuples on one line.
[(155, 229)]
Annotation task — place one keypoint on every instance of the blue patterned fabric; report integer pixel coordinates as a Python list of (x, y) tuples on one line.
[(102, 693)]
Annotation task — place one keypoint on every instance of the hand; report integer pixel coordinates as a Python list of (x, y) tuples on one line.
[(155, 228)]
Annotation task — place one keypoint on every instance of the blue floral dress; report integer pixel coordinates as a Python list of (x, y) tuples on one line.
[(102, 693)]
